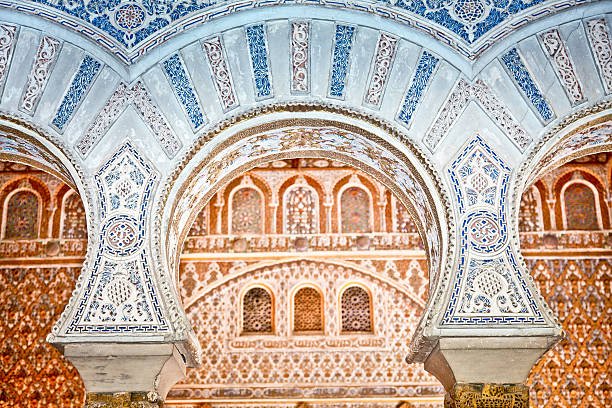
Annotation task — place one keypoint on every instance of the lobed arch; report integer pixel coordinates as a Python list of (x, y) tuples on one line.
[(247, 182), (39, 224), (316, 190), (354, 181), (401, 168), (566, 181)]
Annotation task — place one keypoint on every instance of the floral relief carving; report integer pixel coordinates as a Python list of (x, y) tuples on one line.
[(48, 51), (221, 74), (300, 56), (381, 68), (599, 37)]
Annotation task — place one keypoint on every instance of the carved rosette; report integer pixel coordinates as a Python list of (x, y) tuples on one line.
[(488, 396)]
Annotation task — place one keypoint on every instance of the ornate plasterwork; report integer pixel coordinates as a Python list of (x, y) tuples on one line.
[(563, 64), (489, 287), (424, 70), (341, 53), (138, 96), (461, 95), (120, 296), (131, 30), (300, 56), (517, 70), (258, 49), (381, 68), (183, 88), (222, 76), (81, 83), (599, 37), (8, 35), (47, 54)]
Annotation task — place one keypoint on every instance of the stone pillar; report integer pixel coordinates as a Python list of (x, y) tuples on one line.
[(486, 372)]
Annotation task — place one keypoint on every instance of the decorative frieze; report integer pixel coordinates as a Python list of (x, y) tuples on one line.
[(47, 54), (139, 97), (300, 56), (599, 37), (489, 395), (222, 76), (562, 63), (383, 60)]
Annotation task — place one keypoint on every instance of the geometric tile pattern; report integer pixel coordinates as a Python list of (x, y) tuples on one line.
[(576, 372), (489, 288), (119, 295), (32, 372)]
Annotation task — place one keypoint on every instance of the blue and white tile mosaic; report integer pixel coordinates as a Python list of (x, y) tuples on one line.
[(424, 70), (259, 60), (183, 87), (489, 287), (518, 71), (81, 82), (119, 296), (343, 43)]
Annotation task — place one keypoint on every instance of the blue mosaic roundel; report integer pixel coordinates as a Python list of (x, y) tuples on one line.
[(130, 16), (470, 11), (484, 232)]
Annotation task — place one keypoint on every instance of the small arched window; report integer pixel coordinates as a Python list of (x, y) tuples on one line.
[(580, 207), (22, 213), (355, 210), (307, 310), (257, 310), (247, 211), (356, 310), (75, 224), (300, 209)]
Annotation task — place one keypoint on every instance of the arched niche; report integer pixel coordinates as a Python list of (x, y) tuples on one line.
[(300, 131)]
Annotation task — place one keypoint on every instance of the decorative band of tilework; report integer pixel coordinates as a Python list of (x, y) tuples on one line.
[(340, 59), (259, 60), (47, 54), (424, 70), (522, 78), (184, 90), (81, 83)]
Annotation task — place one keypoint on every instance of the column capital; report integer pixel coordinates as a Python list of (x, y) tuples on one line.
[(487, 395)]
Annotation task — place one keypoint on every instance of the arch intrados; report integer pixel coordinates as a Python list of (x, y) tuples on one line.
[(192, 186)]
